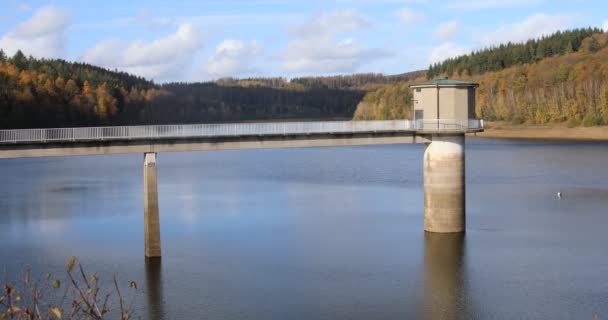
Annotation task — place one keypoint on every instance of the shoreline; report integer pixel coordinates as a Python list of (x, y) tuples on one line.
[(556, 132)]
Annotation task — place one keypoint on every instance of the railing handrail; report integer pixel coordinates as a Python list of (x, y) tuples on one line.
[(233, 129), (209, 123)]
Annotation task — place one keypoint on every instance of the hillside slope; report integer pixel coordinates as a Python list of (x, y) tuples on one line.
[(572, 87)]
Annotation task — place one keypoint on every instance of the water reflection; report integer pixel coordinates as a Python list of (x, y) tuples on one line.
[(324, 233), (154, 288), (444, 276)]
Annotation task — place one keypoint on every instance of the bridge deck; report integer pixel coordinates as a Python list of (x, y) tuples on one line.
[(161, 132), (130, 139)]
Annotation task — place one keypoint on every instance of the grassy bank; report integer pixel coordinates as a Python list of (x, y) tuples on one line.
[(553, 132)]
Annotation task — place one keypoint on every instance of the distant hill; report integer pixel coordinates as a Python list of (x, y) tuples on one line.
[(210, 102), (359, 81), (564, 86)]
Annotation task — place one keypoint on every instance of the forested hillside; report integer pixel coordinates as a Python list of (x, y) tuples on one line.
[(37, 93), (512, 54), (56, 93), (571, 86)]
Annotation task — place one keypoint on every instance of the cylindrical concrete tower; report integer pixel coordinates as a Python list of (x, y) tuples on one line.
[(444, 186)]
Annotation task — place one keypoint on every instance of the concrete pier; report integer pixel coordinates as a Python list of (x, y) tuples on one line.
[(444, 187), (151, 220)]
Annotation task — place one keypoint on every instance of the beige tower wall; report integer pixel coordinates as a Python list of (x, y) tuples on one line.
[(444, 184), (461, 103), (447, 103), (426, 100), (454, 102)]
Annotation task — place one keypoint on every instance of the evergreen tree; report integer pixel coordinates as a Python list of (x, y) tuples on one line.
[(569, 47), (594, 45), (19, 60)]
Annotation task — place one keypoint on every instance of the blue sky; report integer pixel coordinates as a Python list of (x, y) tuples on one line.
[(202, 40)]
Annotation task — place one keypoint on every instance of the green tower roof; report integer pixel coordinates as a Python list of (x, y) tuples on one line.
[(445, 82)]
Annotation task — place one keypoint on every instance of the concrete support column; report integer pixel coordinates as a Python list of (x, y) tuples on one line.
[(444, 188), (151, 220)]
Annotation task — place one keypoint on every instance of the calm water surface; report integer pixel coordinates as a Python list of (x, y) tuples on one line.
[(324, 233)]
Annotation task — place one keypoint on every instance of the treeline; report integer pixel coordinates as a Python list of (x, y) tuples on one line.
[(572, 88), (386, 103), (54, 93), (274, 82), (36, 93), (512, 54), (79, 72), (359, 81)]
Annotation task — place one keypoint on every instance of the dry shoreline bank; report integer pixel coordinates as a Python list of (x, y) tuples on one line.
[(553, 132)]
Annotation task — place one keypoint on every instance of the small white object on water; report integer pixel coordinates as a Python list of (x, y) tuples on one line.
[(559, 195)]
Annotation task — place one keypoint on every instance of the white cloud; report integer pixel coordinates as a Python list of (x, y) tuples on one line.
[(447, 31), (24, 6), (232, 58), (447, 50), (241, 19), (326, 56), (146, 18), (340, 21), (318, 48), (533, 27), (605, 26), (491, 4), (161, 59), (43, 35), (409, 17)]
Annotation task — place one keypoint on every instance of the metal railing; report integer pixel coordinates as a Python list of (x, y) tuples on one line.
[(448, 125), (229, 129)]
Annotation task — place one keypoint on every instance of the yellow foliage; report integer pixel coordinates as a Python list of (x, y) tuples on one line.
[(86, 87), (25, 78)]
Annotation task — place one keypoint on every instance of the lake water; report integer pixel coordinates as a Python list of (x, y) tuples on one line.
[(324, 233)]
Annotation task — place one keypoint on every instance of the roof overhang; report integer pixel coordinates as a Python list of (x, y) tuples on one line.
[(444, 83)]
